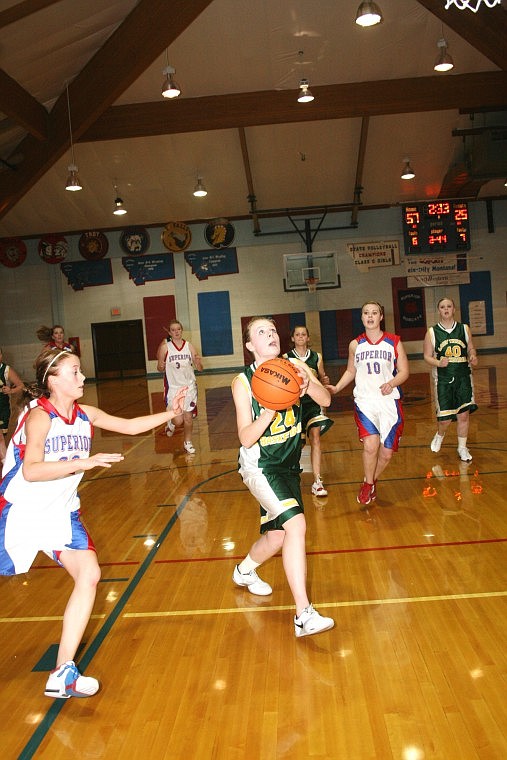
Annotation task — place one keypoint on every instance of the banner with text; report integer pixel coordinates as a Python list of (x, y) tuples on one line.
[(380, 253), (206, 264), (432, 271)]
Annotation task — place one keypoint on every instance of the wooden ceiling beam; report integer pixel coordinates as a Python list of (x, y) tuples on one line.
[(485, 30), (22, 107), (341, 101), (144, 34), (22, 10)]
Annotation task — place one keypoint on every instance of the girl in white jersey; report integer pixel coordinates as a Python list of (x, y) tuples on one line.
[(177, 358), (379, 365), (39, 506)]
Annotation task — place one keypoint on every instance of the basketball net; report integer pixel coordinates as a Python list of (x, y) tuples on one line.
[(311, 284), (472, 5)]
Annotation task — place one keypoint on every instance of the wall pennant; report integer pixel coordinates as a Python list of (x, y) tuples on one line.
[(154, 266), (53, 249), (12, 252), (135, 241), (176, 236), (93, 245), (85, 274), (219, 233)]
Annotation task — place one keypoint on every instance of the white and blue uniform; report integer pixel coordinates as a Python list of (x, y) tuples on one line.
[(375, 414), (43, 515), (179, 372)]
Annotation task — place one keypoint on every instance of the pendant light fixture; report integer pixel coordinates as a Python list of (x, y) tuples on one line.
[(444, 61), (305, 96), (199, 190), (119, 206), (73, 183), (368, 14), (408, 172), (170, 88)]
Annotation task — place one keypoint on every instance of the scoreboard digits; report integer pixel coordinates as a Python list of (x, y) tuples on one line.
[(436, 227)]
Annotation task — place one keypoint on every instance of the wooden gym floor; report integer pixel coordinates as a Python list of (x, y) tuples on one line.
[(193, 667)]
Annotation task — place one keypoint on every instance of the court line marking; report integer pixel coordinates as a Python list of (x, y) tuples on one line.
[(276, 608), (40, 732), (327, 605)]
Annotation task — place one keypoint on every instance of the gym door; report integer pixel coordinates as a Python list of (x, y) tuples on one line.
[(118, 349)]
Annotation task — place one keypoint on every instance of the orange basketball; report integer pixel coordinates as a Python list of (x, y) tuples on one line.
[(276, 384)]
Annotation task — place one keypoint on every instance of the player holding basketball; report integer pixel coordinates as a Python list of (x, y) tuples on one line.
[(269, 465), (315, 423), (177, 358), (378, 363)]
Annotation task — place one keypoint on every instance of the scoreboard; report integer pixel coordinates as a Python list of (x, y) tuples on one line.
[(436, 227)]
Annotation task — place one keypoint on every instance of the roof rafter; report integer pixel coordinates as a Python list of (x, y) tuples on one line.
[(22, 10), (339, 101), (109, 73), (22, 107), (485, 30)]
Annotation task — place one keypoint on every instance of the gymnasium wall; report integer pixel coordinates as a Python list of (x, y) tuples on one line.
[(210, 309)]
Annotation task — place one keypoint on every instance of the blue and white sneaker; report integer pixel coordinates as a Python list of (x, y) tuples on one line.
[(66, 681)]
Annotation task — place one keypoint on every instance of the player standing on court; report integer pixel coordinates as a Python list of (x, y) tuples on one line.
[(315, 422), (39, 507), (449, 350), (378, 363), (177, 358)]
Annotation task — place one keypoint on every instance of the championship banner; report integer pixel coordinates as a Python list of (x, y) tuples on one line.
[(85, 274), (149, 268), (431, 271), (206, 264), (381, 253)]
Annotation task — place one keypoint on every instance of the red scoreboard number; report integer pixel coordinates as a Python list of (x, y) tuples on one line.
[(436, 227)]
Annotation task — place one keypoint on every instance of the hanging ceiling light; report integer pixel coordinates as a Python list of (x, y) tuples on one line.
[(73, 182), (170, 88), (368, 14), (199, 190), (444, 61), (119, 206), (305, 95), (408, 172)]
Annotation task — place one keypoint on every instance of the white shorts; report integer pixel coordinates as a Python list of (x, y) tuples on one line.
[(190, 402)]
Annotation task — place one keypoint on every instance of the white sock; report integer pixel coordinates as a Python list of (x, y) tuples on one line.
[(462, 443), (247, 565)]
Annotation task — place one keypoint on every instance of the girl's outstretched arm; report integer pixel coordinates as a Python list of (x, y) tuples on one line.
[(135, 425)]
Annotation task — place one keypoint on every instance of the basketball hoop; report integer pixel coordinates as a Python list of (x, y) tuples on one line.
[(472, 5), (311, 284), (311, 276)]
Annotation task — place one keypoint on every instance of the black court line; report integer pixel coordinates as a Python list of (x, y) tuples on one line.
[(42, 729)]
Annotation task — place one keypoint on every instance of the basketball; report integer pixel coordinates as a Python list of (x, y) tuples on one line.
[(276, 384)]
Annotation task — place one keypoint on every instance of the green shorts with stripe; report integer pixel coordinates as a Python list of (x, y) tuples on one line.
[(278, 494), (454, 397)]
